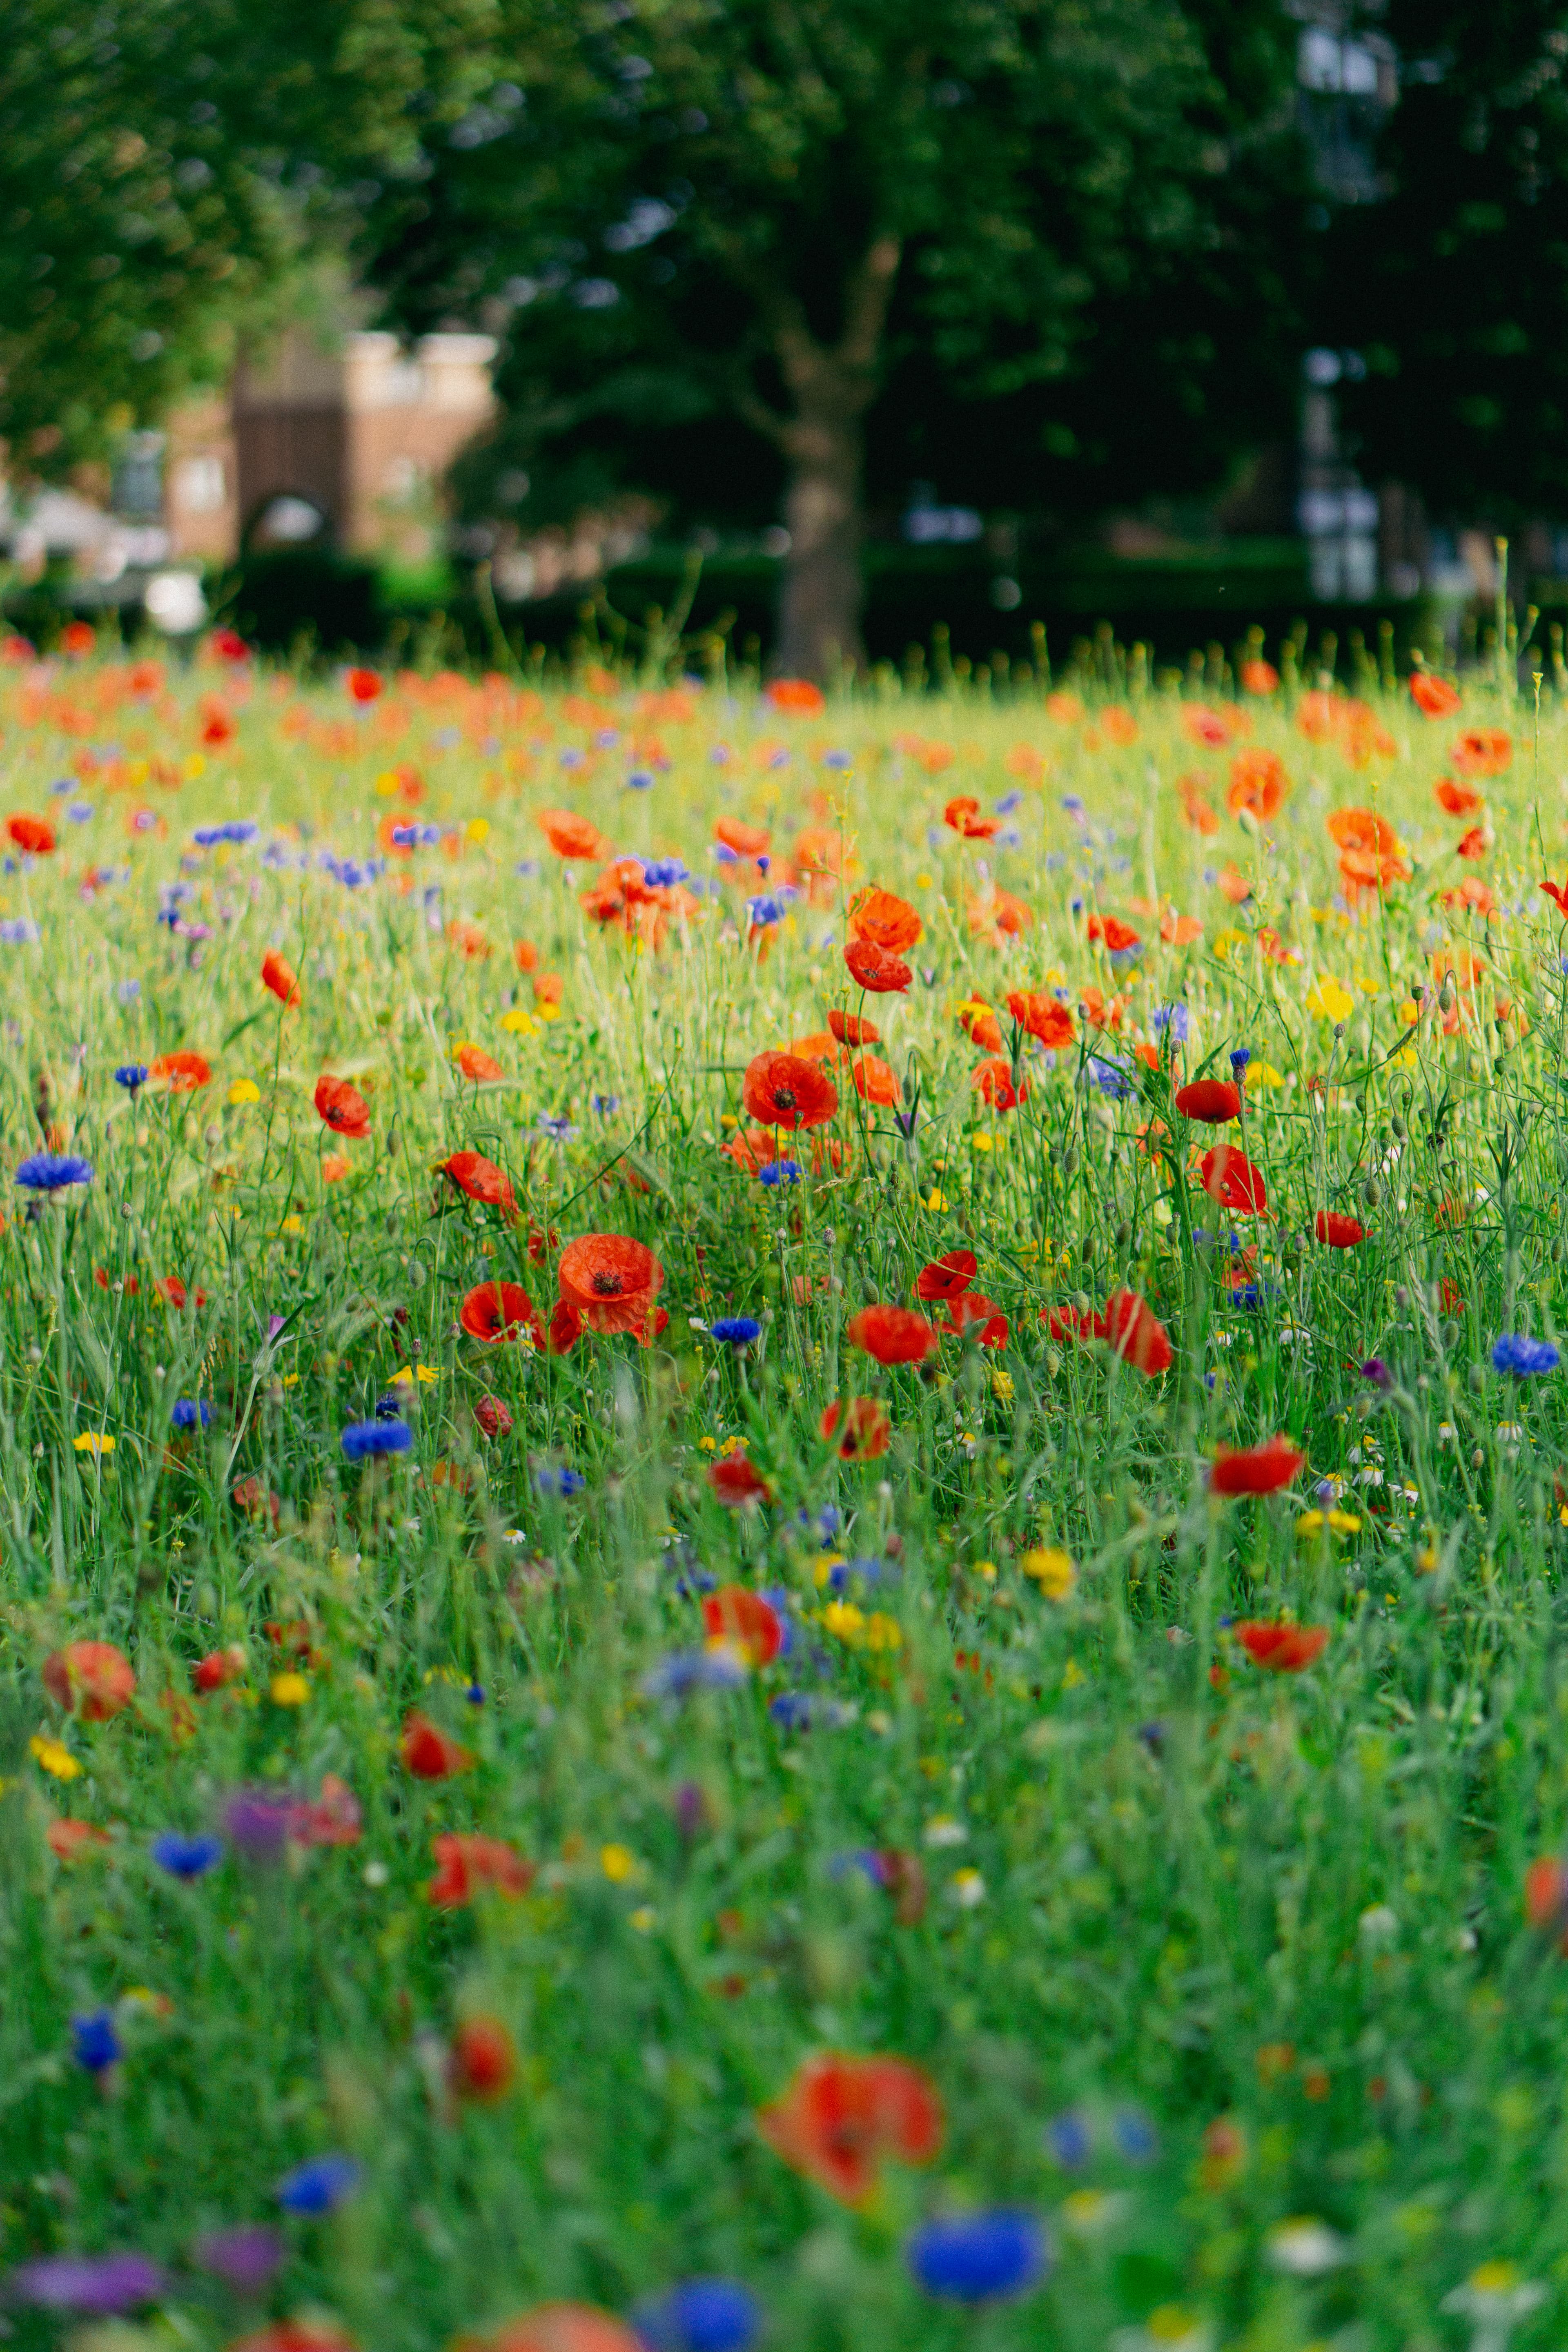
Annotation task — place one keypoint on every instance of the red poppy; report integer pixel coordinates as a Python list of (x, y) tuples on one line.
[(217, 727), (796, 694), (1545, 1893), (555, 2327), (33, 835), (1473, 843), (1132, 1330), (841, 2118), (570, 835), (69, 1840), (173, 1291), (1230, 1178), (364, 685), (745, 840), (964, 815), (501, 1311), (492, 1416), (1340, 1233), (1255, 1469), (1559, 892), (945, 1276), (466, 1862), (738, 1482), (850, 1031), (610, 1283), (1042, 1016), (343, 1108), (993, 1082), (888, 921), (481, 2063), (278, 975), (566, 1327), (979, 1317), (478, 1066), (1258, 782), (1283, 1649), (1117, 935), (480, 1179), (1214, 1101), (1259, 677), (181, 1073), (786, 1090), (980, 1025), (893, 1335), (1434, 696), (91, 1679), (875, 1082), (875, 970), (859, 1431), (319, 2334), (1455, 800), (742, 1617), (218, 1670), (427, 1751), (1482, 751)]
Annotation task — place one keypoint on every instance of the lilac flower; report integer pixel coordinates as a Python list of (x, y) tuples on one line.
[(257, 1823), (245, 2259), (99, 2284), (1007, 803)]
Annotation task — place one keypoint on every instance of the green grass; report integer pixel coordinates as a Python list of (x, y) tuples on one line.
[(1289, 1904)]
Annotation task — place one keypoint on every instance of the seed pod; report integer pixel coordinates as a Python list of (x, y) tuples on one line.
[(1371, 1191)]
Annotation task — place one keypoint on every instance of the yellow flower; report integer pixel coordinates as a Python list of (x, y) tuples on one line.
[(195, 766), (387, 783), (479, 828), (844, 1621), (519, 1023), (823, 1568), (1073, 1675), (245, 1090), (293, 1225), (645, 1919), (547, 1013), (405, 1373), (54, 1757), (92, 1441), (1409, 1013), (883, 1633), (1052, 1570), (1001, 1387), (980, 1143), (1260, 1075), (935, 1199), (618, 1864), (1330, 1000), (968, 1888), (290, 1690)]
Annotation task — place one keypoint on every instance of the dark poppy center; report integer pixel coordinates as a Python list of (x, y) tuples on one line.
[(608, 1285), (783, 1098)]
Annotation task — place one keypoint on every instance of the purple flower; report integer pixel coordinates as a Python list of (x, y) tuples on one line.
[(245, 2259), (1376, 1371), (101, 2284), (257, 1822)]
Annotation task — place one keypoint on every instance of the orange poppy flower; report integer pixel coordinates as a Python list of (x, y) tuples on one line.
[(858, 1432), (278, 975), (335, 1167), (1370, 870), (1473, 843), (1230, 1178), (480, 1067), (1259, 677), (1234, 884), (1282, 1649), (1197, 811), (1116, 935), (878, 972), (495, 1312), (852, 1032), (481, 2063), (946, 1276), (610, 1281), (570, 835), (182, 1074), (1214, 1101), (1118, 726), (819, 853), (999, 916), (742, 1618), (555, 2327), (979, 1317), (1042, 1016), (822, 1045), (218, 1670), (1434, 696), (745, 840), (90, 1679), (875, 1082), (980, 1025), (1100, 1012), (893, 1335), (1482, 751), (796, 693), (469, 941), (738, 1482), (33, 835), (427, 1751), (841, 2118), (1455, 800), (751, 1149), (465, 1862), (524, 954), (1359, 828), (1255, 1469), (479, 1178), (1258, 782), (70, 1840), (963, 816), (343, 1108), (993, 1082), (781, 1090), (888, 922)]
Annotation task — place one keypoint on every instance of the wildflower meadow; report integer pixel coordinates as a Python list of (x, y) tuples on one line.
[(783, 1501)]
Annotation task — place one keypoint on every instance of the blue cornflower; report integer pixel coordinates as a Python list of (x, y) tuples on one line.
[(81, 812), (553, 1481), (870, 1572), (684, 1670), (639, 781), (700, 2315), (1174, 1018), (1521, 1356), (663, 872), (388, 1407), (779, 1172), (1111, 1078), (1240, 1056), (1072, 803), (189, 1412), (605, 1105), (977, 2257), (1066, 2139), (762, 914), (1007, 803), (840, 760), (45, 1171), (319, 2185), (17, 933), (131, 1075), (736, 1330), (1133, 2137), (95, 2041), (559, 1129), (374, 1437), (475, 1693), (208, 836), (186, 1857), (791, 1711), (127, 992)]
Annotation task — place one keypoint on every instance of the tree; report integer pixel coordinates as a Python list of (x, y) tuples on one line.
[(698, 214), (163, 166), (1453, 284)]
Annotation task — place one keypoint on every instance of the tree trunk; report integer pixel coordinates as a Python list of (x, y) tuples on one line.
[(820, 609)]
